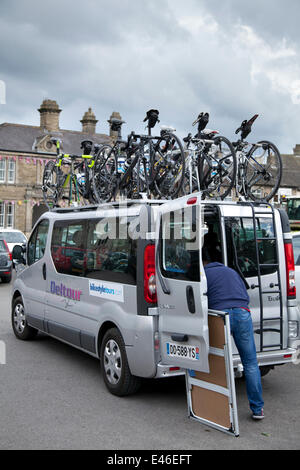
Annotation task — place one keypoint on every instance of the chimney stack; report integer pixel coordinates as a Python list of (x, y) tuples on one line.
[(89, 122), (49, 115), (114, 134)]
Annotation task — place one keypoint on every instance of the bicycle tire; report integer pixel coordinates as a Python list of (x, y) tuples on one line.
[(262, 171), (217, 170), (168, 166), (52, 188), (103, 174)]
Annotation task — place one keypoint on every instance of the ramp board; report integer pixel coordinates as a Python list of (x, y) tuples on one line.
[(211, 396)]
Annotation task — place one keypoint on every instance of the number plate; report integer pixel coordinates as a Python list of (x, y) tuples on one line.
[(182, 351)]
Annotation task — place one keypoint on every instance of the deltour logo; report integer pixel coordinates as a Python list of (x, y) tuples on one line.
[(107, 290), (64, 291)]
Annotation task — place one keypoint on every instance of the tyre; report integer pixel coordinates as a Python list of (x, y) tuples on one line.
[(19, 324), (52, 187), (263, 169), (264, 370), (103, 175), (217, 168), (6, 279), (116, 374), (168, 166)]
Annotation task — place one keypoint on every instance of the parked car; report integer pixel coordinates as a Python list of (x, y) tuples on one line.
[(12, 237), (5, 262)]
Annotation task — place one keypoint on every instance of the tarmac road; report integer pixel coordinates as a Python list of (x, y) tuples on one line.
[(53, 397)]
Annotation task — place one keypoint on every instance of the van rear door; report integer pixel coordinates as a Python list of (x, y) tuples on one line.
[(181, 285), (256, 251)]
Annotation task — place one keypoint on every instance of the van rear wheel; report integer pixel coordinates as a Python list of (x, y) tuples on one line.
[(116, 374)]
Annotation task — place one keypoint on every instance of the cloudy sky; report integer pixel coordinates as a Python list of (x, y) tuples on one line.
[(232, 58)]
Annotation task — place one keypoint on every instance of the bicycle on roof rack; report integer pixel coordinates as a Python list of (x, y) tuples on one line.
[(210, 162), (145, 164), (259, 165), (73, 185)]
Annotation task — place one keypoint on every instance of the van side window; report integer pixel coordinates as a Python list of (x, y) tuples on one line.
[(240, 232), (68, 247), (37, 242), (111, 251), (179, 253)]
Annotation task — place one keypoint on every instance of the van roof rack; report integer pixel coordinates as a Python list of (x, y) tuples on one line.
[(126, 202)]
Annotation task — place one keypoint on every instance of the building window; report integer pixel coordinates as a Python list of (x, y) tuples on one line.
[(2, 170), (2, 214), (10, 215), (7, 215), (7, 171), (11, 171)]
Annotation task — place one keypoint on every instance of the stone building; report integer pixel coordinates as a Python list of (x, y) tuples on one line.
[(24, 151), (290, 182)]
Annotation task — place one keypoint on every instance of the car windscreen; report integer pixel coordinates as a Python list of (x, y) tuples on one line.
[(13, 237), (2, 246)]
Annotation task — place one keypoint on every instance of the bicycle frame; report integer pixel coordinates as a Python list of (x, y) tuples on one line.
[(244, 158)]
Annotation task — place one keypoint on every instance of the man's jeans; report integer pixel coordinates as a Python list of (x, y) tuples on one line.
[(242, 332)]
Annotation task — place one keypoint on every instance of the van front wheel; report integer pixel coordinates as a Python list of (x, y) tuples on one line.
[(19, 324), (116, 374)]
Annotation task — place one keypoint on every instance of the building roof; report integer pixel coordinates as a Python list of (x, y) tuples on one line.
[(24, 138)]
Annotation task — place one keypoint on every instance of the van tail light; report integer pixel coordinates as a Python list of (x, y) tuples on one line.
[(7, 249), (149, 275), (290, 269)]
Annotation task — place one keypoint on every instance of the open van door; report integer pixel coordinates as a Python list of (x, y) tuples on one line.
[(181, 285)]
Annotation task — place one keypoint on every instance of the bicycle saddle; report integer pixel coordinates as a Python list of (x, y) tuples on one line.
[(116, 124), (245, 127), (209, 131), (202, 121), (86, 145), (168, 129), (54, 140), (152, 117)]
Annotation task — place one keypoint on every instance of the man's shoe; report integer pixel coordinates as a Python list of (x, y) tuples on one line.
[(259, 415)]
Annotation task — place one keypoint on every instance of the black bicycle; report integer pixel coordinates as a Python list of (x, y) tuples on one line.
[(144, 164), (210, 162), (259, 168)]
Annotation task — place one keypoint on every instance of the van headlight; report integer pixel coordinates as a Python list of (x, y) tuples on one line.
[(293, 329)]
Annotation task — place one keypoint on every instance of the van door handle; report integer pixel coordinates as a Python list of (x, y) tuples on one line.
[(44, 272), (180, 338), (190, 299)]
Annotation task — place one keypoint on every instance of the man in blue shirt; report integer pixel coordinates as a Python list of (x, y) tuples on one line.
[(226, 291)]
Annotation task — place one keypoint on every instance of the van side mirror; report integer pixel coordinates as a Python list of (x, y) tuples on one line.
[(18, 254)]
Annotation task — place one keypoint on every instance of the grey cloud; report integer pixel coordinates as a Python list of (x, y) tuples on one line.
[(130, 55)]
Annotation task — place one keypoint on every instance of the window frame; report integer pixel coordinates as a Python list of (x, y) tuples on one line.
[(105, 275), (258, 221), (178, 275), (9, 170), (3, 170), (34, 235), (2, 214), (9, 206)]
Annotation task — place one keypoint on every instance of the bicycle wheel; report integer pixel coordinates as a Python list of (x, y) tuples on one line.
[(168, 166), (104, 175), (53, 179), (263, 171), (217, 168)]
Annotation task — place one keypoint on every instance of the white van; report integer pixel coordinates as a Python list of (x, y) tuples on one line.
[(125, 283)]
